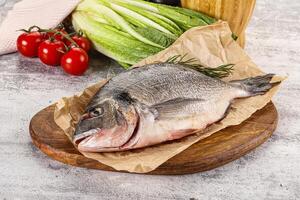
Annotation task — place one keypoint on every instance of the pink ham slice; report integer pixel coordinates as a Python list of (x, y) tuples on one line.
[(43, 13)]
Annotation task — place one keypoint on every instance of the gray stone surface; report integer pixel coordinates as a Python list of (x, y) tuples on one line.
[(272, 171)]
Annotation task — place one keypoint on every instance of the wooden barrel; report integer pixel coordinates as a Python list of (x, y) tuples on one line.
[(236, 12)]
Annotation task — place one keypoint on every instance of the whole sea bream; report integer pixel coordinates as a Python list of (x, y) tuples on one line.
[(157, 103)]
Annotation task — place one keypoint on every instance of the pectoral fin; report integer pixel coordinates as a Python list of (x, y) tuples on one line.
[(175, 107)]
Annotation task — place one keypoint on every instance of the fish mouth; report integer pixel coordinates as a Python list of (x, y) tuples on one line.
[(78, 138), (106, 140)]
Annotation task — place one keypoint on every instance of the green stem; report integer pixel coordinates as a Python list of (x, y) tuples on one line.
[(218, 72), (67, 37), (56, 32)]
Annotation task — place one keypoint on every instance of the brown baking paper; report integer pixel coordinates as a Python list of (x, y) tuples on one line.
[(212, 46)]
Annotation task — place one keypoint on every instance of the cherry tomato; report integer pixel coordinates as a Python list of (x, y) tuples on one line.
[(75, 62), (82, 42), (57, 36), (28, 43), (51, 52)]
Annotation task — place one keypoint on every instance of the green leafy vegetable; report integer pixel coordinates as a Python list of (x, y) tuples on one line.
[(131, 30), (113, 42)]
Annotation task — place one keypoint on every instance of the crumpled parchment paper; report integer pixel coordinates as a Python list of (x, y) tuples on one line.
[(212, 46)]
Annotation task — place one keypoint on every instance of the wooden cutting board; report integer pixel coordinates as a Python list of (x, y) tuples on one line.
[(214, 151)]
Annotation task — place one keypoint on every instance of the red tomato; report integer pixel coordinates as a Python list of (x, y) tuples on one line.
[(82, 42), (28, 43), (50, 52), (57, 36), (75, 62)]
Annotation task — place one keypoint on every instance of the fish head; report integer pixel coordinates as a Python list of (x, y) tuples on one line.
[(105, 125)]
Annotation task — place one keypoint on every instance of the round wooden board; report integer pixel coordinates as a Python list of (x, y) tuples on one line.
[(214, 151)]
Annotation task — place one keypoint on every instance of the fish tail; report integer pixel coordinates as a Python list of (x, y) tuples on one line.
[(258, 85)]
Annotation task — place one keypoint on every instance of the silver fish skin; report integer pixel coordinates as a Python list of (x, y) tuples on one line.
[(158, 103)]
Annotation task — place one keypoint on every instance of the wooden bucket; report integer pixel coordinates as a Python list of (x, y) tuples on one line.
[(236, 12)]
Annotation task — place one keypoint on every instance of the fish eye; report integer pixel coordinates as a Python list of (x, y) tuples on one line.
[(96, 112)]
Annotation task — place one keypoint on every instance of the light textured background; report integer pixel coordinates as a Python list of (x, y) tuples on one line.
[(272, 171)]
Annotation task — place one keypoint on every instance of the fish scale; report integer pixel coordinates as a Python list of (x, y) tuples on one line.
[(158, 103)]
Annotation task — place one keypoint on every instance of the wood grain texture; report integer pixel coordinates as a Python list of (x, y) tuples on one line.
[(270, 172), (216, 150), (236, 12)]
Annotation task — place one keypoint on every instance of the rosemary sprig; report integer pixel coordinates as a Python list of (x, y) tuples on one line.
[(218, 72)]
